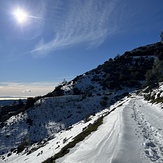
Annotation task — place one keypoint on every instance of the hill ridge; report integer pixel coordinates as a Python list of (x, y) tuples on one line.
[(78, 101)]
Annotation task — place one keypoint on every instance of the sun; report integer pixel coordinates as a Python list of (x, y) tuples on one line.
[(21, 16)]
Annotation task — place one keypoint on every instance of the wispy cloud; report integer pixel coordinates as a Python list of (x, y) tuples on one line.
[(74, 22), (41, 49)]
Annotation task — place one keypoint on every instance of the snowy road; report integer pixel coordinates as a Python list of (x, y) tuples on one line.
[(133, 133)]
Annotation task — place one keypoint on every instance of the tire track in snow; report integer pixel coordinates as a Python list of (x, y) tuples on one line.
[(153, 140)]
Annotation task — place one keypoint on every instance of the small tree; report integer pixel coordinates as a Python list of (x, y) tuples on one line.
[(20, 102), (64, 82), (151, 79), (30, 102)]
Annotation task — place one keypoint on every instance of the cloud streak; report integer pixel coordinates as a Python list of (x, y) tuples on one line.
[(75, 22)]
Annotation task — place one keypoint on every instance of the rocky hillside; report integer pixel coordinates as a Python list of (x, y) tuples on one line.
[(129, 70)]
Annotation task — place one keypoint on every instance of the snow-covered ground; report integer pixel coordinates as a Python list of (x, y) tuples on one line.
[(57, 139), (133, 132)]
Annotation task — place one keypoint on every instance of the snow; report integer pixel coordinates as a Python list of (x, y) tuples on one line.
[(17, 128), (53, 146), (132, 132)]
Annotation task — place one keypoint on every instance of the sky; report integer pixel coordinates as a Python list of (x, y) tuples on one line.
[(60, 39)]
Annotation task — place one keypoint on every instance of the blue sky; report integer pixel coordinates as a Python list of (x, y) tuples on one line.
[(61, 39)]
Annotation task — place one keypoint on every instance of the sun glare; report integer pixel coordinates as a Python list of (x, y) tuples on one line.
[(21, 16)]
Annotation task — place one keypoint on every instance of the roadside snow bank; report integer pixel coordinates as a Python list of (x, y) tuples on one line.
[(132, 133)]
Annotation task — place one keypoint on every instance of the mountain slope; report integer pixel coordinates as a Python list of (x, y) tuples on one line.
[(128, 70), (132, 133), (73, 105)]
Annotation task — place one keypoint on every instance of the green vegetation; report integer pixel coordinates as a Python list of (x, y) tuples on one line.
[(152, 98), (158, 100), (143, 64), (125, 71), (91, 128)]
